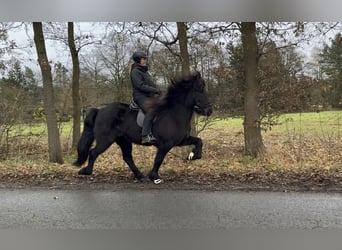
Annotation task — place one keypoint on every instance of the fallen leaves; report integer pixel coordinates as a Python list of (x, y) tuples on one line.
[(306, 164)]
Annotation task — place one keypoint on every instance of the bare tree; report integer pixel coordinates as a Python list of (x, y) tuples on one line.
[(57, 32), (183, 47), (252, 124), (6, 45), (285, 36), (75, 87), (6, 118), (115, 56), (55, 154)]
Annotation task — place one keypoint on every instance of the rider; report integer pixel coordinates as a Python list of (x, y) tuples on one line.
[(143, 89)]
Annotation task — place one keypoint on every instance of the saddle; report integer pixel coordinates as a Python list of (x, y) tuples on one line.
[(141, 115)]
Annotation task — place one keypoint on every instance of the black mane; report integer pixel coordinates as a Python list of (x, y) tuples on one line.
[(177, 90)]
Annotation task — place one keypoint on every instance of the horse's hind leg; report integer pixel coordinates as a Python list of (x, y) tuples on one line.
[(102, 143), (126, 148)]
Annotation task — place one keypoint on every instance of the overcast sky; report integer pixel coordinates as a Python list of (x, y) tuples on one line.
[(58, 53)]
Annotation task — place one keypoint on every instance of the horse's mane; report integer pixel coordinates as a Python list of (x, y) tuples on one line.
[(176, 91), (176, 88)]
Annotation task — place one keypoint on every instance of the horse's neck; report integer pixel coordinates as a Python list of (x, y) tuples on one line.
[(182, 113), (180, 109)]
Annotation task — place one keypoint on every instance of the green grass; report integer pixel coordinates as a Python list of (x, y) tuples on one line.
[(327, 123), (311, 123), (231, 123), (28, 129)]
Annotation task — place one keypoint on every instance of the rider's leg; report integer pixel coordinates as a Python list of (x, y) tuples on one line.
[(146, 133)]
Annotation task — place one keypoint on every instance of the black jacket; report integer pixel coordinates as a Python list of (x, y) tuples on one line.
[(142, 83)]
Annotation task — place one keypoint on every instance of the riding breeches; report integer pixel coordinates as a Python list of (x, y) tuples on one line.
[(149, 115)]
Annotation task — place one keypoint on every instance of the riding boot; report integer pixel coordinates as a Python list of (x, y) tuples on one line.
[(147, 136)]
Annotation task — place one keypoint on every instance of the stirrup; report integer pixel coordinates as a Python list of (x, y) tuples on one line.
[(148, 139)]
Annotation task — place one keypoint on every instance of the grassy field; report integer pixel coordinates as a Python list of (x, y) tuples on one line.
[(294, 130), (298, 141), (313, 123), (307, 144)]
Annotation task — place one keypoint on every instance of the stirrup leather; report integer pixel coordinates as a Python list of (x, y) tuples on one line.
[(133, 105)]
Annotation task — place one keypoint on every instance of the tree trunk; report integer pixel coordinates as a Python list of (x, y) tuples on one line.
[(252, 125), (75, 86), (55, 154), (183, 47), (185, 62)]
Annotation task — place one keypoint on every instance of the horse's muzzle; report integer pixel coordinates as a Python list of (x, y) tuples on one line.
[(208, 111), (203, 111)]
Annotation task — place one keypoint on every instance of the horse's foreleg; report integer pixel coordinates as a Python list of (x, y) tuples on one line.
[(197, 151), (153, 175), (126, 148)]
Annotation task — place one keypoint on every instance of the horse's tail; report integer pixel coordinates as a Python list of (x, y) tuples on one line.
[(87, 137)]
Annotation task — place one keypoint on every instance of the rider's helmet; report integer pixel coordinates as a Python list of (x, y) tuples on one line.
[(138, 55)]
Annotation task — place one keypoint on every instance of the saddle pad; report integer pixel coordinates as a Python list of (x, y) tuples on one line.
[(140, 118)]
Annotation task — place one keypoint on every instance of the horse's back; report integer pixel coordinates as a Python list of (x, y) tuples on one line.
[(110, 115)]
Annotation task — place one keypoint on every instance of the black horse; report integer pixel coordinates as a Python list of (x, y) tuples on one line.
[(117, 123)]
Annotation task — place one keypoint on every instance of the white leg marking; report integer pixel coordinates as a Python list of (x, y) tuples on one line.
[(191, 155), (158, 181)]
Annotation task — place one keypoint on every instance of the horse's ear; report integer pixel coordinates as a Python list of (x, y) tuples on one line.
[(176, 78), (196, 74)]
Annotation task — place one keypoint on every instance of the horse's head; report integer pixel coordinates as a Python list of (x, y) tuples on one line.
[(200, 99), (190, 91)]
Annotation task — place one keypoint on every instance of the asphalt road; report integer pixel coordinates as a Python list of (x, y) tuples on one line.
[(165, 209)]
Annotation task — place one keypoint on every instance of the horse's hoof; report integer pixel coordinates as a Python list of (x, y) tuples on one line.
[(136, 180), (191, 156), (157, 181), (76, 164), (84, 172)]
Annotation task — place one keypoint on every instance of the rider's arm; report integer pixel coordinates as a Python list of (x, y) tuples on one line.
[(138, 83)]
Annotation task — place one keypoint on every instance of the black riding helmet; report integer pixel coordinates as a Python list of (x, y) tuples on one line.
[(138, 55)]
